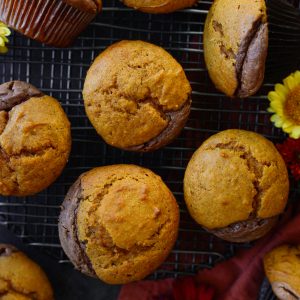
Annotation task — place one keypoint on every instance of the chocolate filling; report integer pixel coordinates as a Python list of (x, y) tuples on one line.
[(245, 231), (251, 59), (15, 92), (177, 120), (73, 247), (7, 250)]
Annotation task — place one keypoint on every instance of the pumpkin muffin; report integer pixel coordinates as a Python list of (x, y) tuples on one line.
[(21, 278), (236, 185), (35, 139), (235, 45), (137, 96), (282, 267), (159, 6), (118, 223), (54, 22)]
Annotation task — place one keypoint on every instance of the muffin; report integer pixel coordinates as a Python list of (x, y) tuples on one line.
[(21, 278), (236, 185), (159, 6), (282, 267), (118, 223), (35, 139), (235, 45), (54, 22), (137, 96)]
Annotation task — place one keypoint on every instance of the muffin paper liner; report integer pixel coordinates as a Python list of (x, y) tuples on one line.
[(49, 21), (284, 39)]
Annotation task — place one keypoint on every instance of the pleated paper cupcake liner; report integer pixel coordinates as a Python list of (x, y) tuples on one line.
[(52, 22)]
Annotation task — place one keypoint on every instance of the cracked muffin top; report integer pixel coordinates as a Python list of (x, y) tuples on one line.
[(118, 223), (137, 96), (21, 278), (159, 6), (35, 139), (282, 267), (235, 176), (235, 45)]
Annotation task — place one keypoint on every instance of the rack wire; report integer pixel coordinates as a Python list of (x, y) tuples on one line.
[(61, 73)]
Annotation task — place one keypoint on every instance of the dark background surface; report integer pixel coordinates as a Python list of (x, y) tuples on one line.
[(68, 284), (61, 73)]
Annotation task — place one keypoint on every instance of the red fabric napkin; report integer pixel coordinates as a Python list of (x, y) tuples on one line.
[(238, 278)]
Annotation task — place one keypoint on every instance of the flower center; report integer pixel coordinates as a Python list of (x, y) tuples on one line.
[(292, 105)]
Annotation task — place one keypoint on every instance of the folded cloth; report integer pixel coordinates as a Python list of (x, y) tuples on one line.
[(169, 289), (238, 278)]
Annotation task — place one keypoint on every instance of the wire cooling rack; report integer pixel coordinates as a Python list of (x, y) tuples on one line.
[(61, 73)]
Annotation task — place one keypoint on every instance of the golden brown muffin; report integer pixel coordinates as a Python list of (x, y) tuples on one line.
[(54, 22), (21, 278), (35, 139), (236, 184), (235, 45), (118, 223), (159, 6), (137, 96), (282, 267)]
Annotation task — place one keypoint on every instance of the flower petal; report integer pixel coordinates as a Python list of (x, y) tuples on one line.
[(273, 96), (281, 90), (290, 82), (2, 42), (297, 76), (277, 107), (287, 124), (295, 134), (4, 31)]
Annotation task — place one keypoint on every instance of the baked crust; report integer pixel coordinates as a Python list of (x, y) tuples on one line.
[(118, 223), (35, 139), (235, 176), (137, 96), (20, 277), (159, 6), (235, 45), (282, 267)]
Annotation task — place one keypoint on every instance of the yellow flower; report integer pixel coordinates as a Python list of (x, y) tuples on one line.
[(4, 33), (285, 104)]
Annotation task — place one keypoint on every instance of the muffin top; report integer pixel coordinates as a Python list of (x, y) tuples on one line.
[(282, 267), (235, 45), (21, 278), (159, 6), (126, 222), (35, 139), (235, 175), (91, 6), (136, 93)]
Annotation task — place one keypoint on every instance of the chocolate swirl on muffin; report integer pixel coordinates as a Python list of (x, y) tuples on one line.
[(35, 139), (137, 96), (15, 92), (118, 223), (235, 45), (236, 185)]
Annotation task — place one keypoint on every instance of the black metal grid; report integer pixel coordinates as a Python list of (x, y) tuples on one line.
[(61, 73)]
